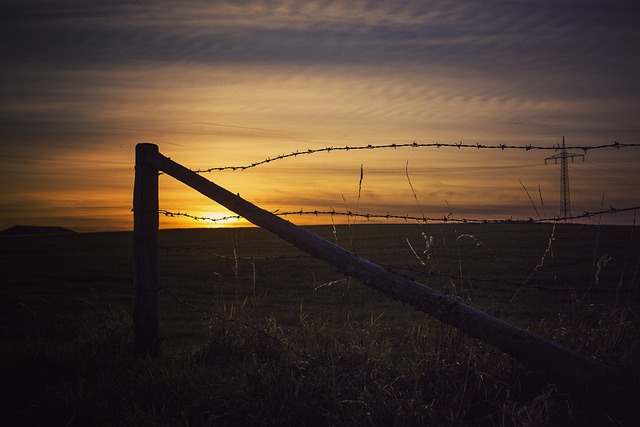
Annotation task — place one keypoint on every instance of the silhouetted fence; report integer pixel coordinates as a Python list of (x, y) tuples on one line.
[(421, 219), (518, 342)]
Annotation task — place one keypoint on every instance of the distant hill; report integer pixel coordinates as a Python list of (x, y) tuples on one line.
[(22, 230)]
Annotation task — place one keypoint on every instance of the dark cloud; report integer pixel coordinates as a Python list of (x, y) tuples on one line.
[(562, 49), (79, 74), (486, 34)]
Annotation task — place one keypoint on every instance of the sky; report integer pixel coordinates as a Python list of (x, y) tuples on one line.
[(231, 83)]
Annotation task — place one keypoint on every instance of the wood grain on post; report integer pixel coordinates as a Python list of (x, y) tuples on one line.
[(146, 340)]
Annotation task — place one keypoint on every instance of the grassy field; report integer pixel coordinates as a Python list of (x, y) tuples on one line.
[(257, 333)]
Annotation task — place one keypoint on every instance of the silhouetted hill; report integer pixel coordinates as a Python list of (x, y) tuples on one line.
[(22, 230)]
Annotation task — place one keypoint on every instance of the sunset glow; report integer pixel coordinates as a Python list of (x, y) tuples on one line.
[(227, 84)]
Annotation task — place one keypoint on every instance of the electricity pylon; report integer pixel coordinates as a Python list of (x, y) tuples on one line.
[(565, 201)]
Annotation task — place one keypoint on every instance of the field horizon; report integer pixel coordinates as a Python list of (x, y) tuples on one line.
[(241, 302)]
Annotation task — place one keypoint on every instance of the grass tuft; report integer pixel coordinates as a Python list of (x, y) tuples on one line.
[(263, 342)]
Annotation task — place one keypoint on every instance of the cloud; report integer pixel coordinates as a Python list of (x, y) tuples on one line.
[(486, 34), (89, 78), (548, 47)]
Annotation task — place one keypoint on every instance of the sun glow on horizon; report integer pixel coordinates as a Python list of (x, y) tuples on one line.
[(224, 219), (198, 219), (270, 89)]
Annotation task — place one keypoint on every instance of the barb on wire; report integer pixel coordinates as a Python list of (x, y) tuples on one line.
[(556, 147), (198, 218), (406, 218)]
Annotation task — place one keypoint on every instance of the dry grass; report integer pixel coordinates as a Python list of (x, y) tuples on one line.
[(289, 342)]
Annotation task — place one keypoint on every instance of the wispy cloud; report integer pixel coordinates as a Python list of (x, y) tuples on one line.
[(493, 32), (244, 80)]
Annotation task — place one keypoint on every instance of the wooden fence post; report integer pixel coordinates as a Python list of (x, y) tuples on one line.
[(146, 340), (522, 344)]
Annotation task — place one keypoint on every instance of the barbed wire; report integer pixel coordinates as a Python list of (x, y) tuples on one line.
[(459, 145), (199, 218), (420, 219)]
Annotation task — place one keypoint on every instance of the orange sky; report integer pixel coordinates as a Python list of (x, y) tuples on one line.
[(228, 86)]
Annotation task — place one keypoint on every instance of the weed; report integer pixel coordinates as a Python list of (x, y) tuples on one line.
[(267, 343)]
